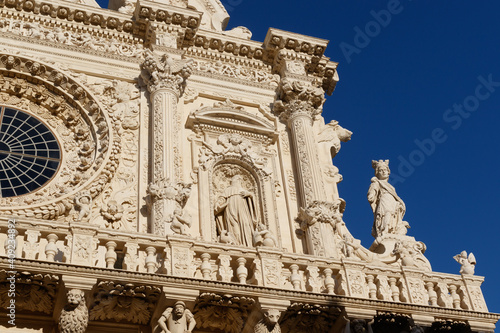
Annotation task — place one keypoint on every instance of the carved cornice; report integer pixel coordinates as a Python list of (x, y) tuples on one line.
[(283, 45), (38, 267), (73, 12)]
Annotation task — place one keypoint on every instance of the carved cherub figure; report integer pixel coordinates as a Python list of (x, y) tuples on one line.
[(263, 237), (269, 324), (177, 319), (468, 262), (83, 202), (180, 222), (74, 316)]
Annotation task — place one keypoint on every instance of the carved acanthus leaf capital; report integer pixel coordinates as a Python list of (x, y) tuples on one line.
[(321, 212), (165, 73), (298, 97)]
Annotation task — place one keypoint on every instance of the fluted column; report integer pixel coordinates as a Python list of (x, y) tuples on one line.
[(306, 155), (300, 102), (165, 79)]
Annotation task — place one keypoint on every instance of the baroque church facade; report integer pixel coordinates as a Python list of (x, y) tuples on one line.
[(159, 173)]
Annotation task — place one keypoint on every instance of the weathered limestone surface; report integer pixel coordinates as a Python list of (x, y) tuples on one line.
[(195, 189)]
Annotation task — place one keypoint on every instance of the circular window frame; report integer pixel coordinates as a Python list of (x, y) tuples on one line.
[(60, 159)]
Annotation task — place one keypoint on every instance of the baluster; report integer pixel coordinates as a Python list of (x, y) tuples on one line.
[(394, 289), (242, 271), (454, 296), (51, 247), (329, 281), (151, 264), (110, 255), (206, 267), (372, 288), (432, 294), (295, 277)]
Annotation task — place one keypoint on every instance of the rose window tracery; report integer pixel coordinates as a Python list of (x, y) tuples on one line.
[(29, 153)]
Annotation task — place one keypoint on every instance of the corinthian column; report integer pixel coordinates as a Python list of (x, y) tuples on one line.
[(300, 103), (165, 79)]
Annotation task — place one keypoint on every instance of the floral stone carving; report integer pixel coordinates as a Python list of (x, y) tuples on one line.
[(225, 313), (302, 318), (165, 73), (34, 292), (124, 302)]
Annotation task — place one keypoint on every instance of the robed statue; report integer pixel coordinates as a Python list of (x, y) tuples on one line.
[(235, 213), (388, 208)]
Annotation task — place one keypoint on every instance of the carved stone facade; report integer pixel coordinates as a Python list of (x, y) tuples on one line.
[(160, 174)]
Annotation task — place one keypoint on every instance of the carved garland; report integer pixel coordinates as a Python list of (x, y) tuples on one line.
[(90, 148)]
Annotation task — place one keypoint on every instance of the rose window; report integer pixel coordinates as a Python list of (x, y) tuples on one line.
[(29, 153)]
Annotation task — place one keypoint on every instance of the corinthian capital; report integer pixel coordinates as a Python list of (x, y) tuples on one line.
[(166, 73), (298, 97)]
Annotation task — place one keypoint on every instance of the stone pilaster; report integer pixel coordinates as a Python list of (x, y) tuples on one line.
[(165, 79)]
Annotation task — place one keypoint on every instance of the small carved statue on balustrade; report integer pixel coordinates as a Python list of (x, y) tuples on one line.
[(177, 319), (83, 203), (180, 222), (269, 324), (74, 316), (468, 262), (263, 237), (236, 214), (388, 208)]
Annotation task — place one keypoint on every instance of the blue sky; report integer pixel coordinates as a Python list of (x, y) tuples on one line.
[(422, 89)]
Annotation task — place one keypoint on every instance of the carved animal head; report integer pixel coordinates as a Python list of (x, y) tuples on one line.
[(75, 298), (271, 317)]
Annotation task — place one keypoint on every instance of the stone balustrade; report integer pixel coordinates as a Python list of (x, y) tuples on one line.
[(83, 244)]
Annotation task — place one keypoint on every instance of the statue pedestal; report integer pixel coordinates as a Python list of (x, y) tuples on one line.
[(385, 245)]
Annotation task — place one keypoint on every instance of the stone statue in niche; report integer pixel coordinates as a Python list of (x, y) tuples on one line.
[(388, 208), (177, 319), (235, 213), (269, 324), (468, 262)]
